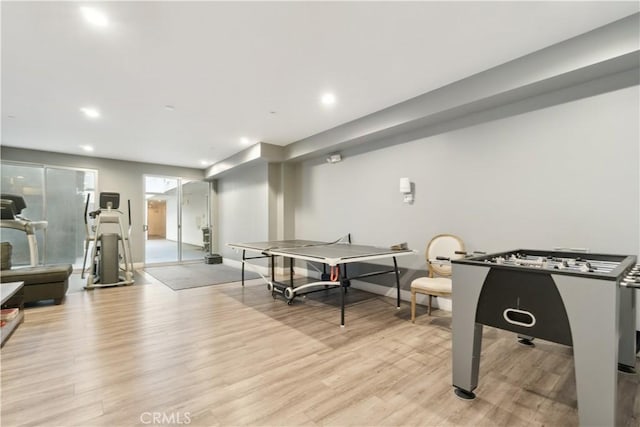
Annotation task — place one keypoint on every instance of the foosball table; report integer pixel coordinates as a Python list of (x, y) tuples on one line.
[(582, 300)]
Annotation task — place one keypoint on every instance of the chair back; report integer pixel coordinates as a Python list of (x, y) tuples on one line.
[(443, 245)]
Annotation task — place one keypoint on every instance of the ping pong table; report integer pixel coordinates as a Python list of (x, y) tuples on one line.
[(336, 255)]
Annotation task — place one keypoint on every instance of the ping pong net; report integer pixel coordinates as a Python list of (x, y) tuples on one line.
[(297, 244), (345, 240)]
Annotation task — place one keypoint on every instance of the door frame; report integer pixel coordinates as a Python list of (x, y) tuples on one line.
[(180, 182)]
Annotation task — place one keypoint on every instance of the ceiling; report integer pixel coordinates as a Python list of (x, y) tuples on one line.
[(180, 83)]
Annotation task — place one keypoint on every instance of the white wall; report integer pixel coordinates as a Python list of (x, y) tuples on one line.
[(242, 207), (562, 176)]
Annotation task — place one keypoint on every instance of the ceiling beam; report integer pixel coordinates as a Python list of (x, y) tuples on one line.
[(605, 59)]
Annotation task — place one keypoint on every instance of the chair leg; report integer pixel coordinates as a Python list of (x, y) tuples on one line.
[(429, 306), (413, 306)]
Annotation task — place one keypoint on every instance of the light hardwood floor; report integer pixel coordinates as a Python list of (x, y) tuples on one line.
[(229, 356)]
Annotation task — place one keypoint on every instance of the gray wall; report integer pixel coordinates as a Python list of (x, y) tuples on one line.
[(243, 214), (126, 178), (561, 176)]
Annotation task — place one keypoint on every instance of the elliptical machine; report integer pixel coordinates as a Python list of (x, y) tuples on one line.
[(111, 244)]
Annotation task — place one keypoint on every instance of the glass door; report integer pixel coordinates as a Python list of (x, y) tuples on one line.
[(65, 198), (195, 220), (56, 195), (161, 229), (177, 214), (27, 181)]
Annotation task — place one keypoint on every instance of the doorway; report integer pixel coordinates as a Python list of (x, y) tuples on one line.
[(177, 220)]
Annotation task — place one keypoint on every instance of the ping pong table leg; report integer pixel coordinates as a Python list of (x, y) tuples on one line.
[(244, 252), (291, 271), (395, 268), (343, 287), (273, 268)]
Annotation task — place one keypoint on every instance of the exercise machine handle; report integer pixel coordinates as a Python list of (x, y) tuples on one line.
[(86, 209)]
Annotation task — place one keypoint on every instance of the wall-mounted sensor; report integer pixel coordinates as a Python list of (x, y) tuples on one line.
[(405, 185), (405, 188), (334, 158)]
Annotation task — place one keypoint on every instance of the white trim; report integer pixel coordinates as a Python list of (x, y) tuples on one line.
[(302, 271), (266, 271), (439, 302)]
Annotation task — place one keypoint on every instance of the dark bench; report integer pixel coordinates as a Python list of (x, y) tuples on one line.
[(41, 282)]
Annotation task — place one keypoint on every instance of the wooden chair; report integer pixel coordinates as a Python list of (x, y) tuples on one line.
[(440, 250)]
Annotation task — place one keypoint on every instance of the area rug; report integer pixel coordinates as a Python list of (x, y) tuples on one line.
[(188, 276)]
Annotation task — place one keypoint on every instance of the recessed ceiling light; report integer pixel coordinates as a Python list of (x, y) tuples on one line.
[(94, 16), (245, 141), (87, 148), (328, 99), (91, 112), (204, 162)]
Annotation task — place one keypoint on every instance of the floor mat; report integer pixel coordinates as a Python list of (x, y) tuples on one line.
[(187, 276)]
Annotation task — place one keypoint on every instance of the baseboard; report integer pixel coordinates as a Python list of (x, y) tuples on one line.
[(265, 271), (136, 266), (440, 302), (232, 262)]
